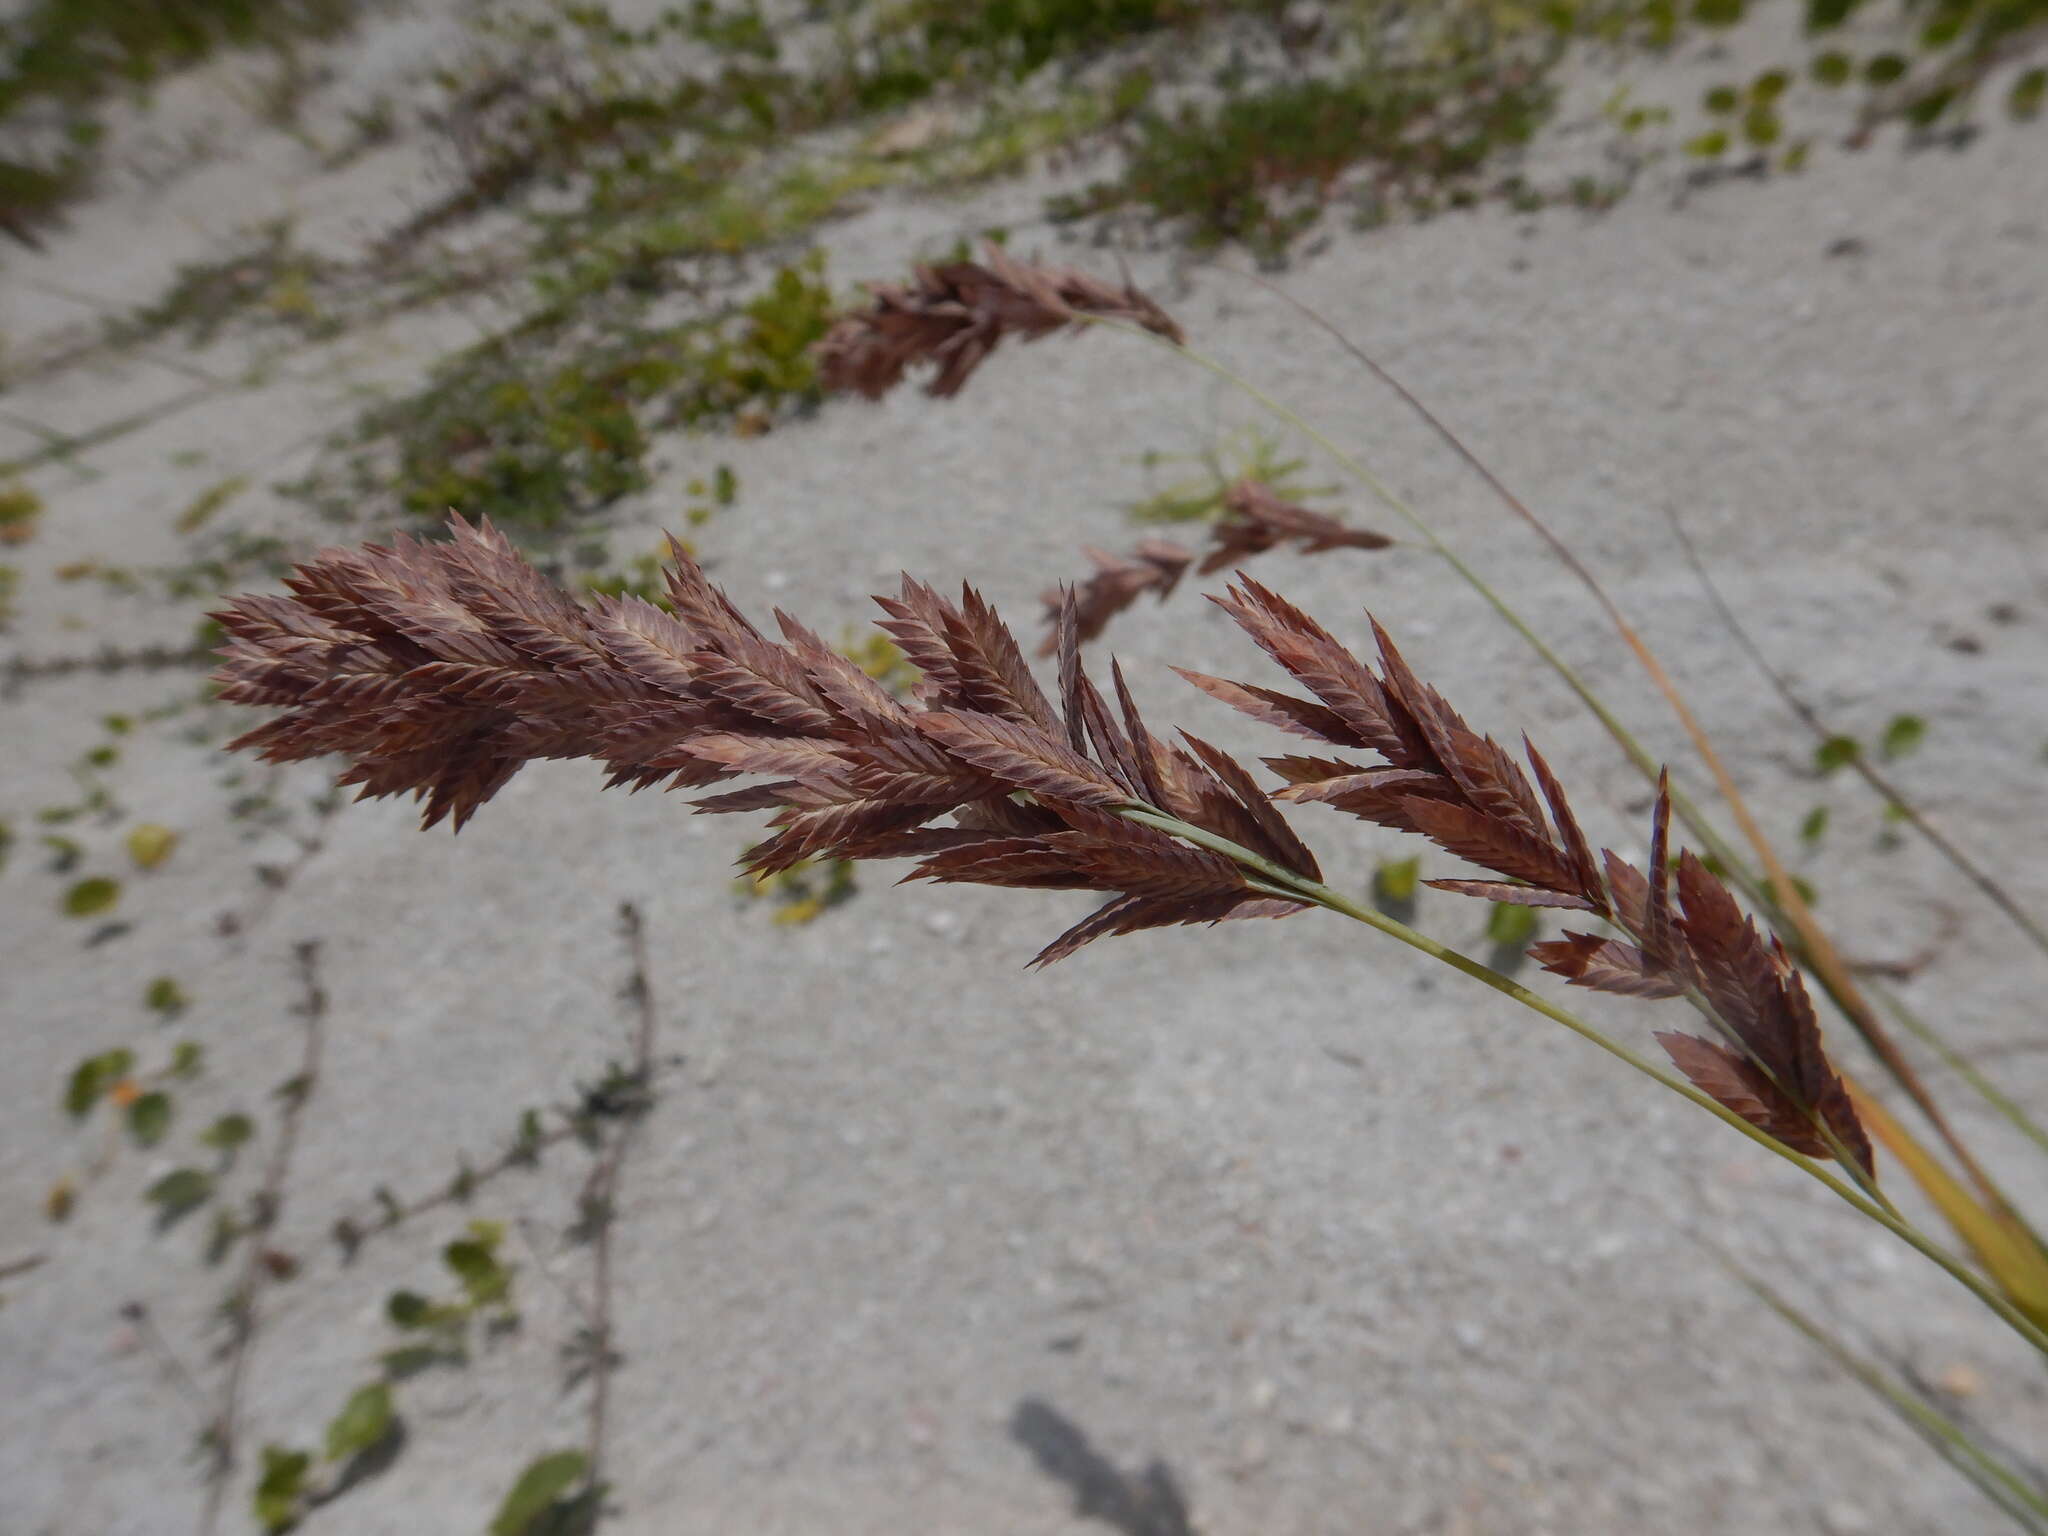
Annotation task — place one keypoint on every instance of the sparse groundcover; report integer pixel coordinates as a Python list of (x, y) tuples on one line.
[(60, 59), (541, 427)]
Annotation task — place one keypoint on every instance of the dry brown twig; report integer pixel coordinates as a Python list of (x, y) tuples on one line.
[(269, 1203), (599, 1199)]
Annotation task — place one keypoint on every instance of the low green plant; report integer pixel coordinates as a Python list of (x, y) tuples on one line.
[(60, 60), (1259, 166), (542, 429)]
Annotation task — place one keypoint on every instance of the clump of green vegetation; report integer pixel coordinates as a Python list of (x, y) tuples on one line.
[(269, 277), (60, 59), (1250, 454), (539, 428), (1258, 167), (1927, 67), (20, 510), (802, 893)]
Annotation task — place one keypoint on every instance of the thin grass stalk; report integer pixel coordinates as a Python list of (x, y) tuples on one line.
[(1288, 881), (1962, 1066), (1885, 789), (1783, 893), (1723, 852), (2013, 1494), (1778, 894)]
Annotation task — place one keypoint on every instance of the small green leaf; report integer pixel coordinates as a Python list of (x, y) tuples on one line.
[(186, 1058), (1512, 926), (278, 1492), (538, 1487), (228, 1132), (408, 1309), (209, 501), (1902, 736), (1761, 127), (92, 1077), (178, 1192), (1825, 15), (1707, 145), (117, 725), (411, 1359), (1836, 752), (1769, 86), (1721, 100), (165, 996), (2028, 94), (725, 485), (104, 755), (1831, 69), (90, 897), (149, 844), (1926, 110), (1396, 881), (1884, 69), (1806, 890), (1940, 32), (1815, 826), (363, 1421), (1718, 13), (477, 1267), (149, 1117)]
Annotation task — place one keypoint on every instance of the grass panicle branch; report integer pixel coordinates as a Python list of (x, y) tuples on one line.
[(1255, 518), (952, 316), (440, 668)]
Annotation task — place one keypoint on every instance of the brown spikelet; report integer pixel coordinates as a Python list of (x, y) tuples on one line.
[(1022, 758), (1604, 965), (1256, 519), (1154, 566), (1736, 1083), (1132, 914), (1512, 895), (1302, 717), (1262, 828), (954, 315), (1484, 839)]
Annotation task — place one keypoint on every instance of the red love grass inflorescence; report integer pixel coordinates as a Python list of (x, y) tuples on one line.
[(438, 669)]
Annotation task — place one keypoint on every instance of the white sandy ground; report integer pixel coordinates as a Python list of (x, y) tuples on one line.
[(1352, 1245)]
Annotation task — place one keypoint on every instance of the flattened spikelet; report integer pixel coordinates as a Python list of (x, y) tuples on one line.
[(953, 316)]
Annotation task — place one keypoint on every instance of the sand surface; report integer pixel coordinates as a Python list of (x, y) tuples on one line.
[(1348, 1244)]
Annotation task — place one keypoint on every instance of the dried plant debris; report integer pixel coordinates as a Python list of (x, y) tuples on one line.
[(954, 315), (440, 669)]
